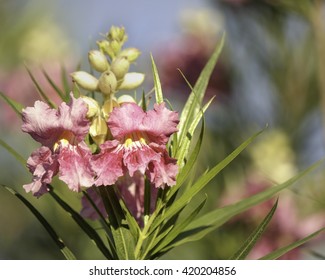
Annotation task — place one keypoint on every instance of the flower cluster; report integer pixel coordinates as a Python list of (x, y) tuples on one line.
[(89, 145)]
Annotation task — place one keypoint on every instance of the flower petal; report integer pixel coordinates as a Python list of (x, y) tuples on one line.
[(43, 164), (72, 117), (125, 120), (138, 157), (164, 170), (160, 123), (41, 123), (108, 163), (75, 169)]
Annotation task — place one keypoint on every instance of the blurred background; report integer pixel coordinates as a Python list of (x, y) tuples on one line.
[(271, 72)]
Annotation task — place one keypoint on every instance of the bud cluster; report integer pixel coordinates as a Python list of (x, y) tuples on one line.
[(112, 62)]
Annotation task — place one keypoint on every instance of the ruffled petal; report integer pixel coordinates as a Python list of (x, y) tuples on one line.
[(47, 125), (125, 120), (138, 157), (108, 163), (72, 117), (75, 169), (41, 122), (164, 170), (43, 165), (160, 123)]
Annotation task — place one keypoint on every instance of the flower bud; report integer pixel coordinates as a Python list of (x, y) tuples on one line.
[(98, 130), (115, 47), (120, 67), (98, 60), (125, 99), (107, 83), (132, 81), (108, 106), (85, 80), (117, 33), (93, 107), (131, 54)]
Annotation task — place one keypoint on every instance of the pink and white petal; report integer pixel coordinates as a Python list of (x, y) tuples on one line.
[(41, 122), (137, 158), (88, 211), (43, 164), (163, 171), (108, 164), (72, 117), (160, 123), (75, 167), (125, 120)]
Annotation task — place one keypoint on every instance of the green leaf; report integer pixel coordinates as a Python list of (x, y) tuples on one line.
[(158, 89), (248, 245), (13, 152), (40, 90), (177, 229), (124, 240), (60, 93), (184, 143), (57, 240), (214, 219), (193, 104), (279, 252), (17, 107), (93, 235), (186, 197), (65, 81)]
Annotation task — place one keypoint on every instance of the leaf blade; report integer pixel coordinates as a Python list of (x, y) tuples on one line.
[(57, 240)]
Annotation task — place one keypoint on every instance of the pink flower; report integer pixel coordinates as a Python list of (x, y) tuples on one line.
[(139, 144), (61, 132)]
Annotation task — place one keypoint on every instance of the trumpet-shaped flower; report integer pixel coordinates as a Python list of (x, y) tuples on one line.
[(61, 132), (139, 144)]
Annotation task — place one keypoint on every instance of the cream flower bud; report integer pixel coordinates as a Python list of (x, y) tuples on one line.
[(107, 83), (117, 33), (131, 54), (98, 130), (85, 80), (115, 47), (108, 106), (125, 99), (131, 81), (98, 60), (120, 67), (93, 107)]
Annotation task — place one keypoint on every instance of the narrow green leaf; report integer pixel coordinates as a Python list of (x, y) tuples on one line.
[(184, 143), (279, 252), (122, 235), (193, 103), (248, 245), (54, 86), (65, 81), (177, 229), (186, 197), (17, 107), (13, 152), (214, 219), (93, 235), (40, 90), (158, 89), (57, 240)]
